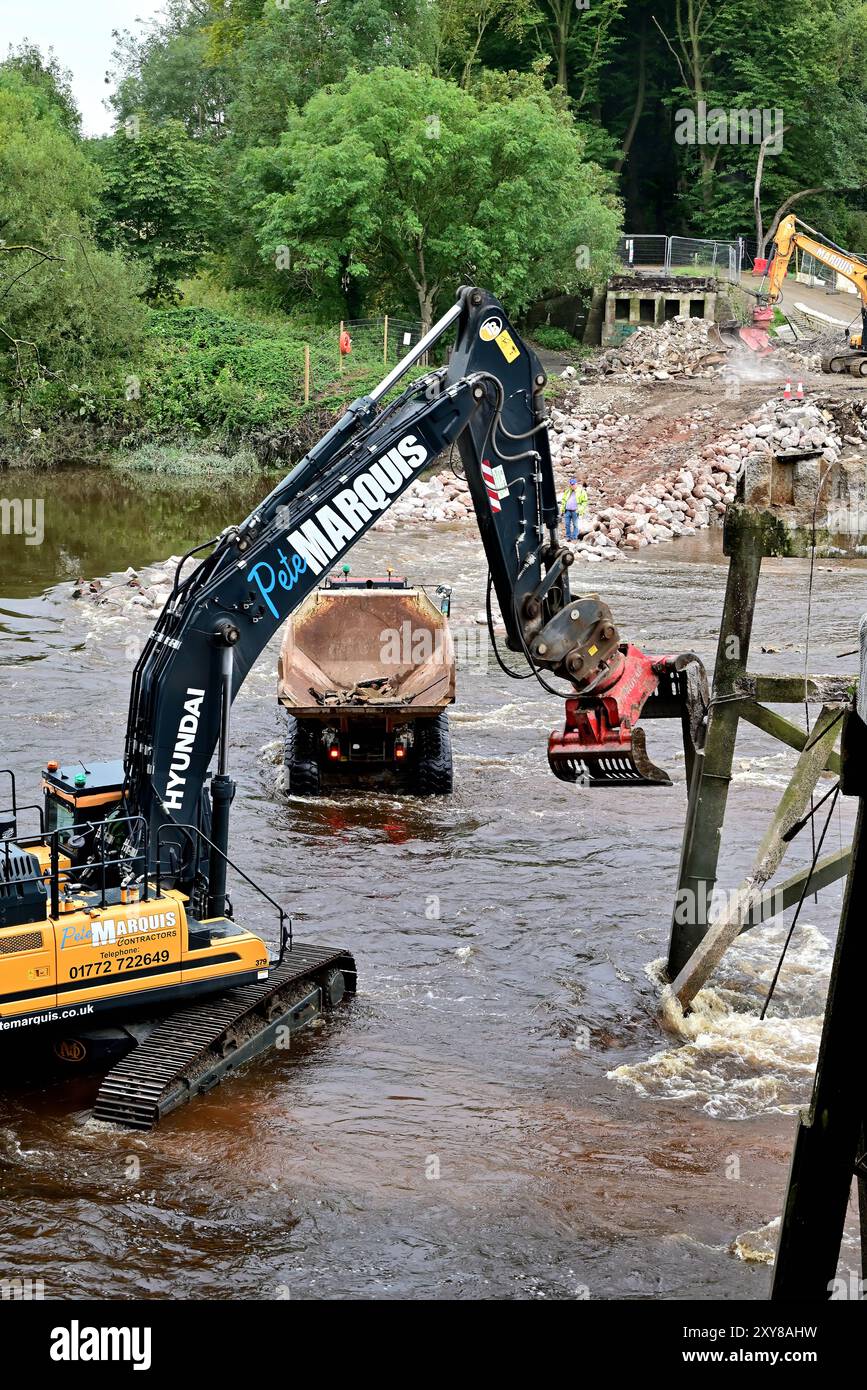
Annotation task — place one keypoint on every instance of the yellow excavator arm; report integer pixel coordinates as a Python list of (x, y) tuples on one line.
[(792, 234)]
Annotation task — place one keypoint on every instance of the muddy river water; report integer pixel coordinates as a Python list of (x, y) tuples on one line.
[(499, 1114)]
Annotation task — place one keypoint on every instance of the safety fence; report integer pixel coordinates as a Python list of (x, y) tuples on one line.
[(680, 255), (702, 256), (648, 252), (356, 346), (385, 339)]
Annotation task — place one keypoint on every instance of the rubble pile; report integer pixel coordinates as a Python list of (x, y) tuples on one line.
[(805, 357), (445, 497), (781, 426), (691, 494), (147, 588), (574, 433), (686, 498), (677, 503), (681, 347)]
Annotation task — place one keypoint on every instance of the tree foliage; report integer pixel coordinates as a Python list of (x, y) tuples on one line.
[(69, 309), (409, 185), (159, 200), (288, 144)]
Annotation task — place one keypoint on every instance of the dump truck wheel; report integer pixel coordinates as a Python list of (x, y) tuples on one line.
[(299, 761), (433, 774)]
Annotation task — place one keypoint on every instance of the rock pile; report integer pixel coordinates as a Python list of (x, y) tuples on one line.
[(780, 426), (147, 588), (572, 433), (445, 497), (681, 347), (678, 503), (684, 499)]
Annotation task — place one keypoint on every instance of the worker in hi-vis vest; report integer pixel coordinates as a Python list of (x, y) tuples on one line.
[(573, 504)]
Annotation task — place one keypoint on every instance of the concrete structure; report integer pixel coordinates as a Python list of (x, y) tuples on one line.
[(651, 299), (805, 492)]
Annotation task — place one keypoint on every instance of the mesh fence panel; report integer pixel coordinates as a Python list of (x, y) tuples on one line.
[(702, 256), (381, 340), (815, 273), (642, 250)]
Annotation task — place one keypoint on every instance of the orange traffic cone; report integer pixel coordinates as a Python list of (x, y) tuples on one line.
[(787, 394), (800, 391)]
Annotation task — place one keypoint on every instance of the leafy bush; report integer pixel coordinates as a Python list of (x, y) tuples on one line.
[(69, 310), (554, 339), (219, 378)]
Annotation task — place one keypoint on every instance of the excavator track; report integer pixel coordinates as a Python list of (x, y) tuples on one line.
[(191, 1051), (838, 363)]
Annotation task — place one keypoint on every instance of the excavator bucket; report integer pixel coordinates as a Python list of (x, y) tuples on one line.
[(602, 745), (755, 336)]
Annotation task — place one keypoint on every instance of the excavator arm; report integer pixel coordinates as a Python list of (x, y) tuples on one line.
[(488, 401), (790, 237)]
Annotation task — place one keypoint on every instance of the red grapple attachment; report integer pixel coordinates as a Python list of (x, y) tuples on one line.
[(602, 745)]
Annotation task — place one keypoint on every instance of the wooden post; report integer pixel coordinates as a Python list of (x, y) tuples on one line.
[(340, 347), (709, 785), (791, 807), (385, 340), (696, 947), (306, 373), (829, 1147)]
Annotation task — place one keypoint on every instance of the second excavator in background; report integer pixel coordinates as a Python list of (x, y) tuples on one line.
[(792, 235)]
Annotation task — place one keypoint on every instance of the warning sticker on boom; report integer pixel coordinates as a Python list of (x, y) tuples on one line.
[(506, 343)]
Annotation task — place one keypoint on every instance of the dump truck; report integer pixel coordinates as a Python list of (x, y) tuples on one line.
[(366, 672)]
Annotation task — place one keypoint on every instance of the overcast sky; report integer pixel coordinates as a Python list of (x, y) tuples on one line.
[(79, 31)]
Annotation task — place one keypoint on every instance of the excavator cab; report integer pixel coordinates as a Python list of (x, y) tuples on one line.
[(78, 800)]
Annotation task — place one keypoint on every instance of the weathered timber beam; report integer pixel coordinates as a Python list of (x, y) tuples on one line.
[(796, 690), (790, 808), (787, 893), (783, 729)]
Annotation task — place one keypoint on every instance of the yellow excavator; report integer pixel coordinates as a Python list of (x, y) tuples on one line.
[(792, 234), (116, 929)]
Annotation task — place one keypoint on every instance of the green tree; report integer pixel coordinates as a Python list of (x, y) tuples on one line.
[(463, 26), (159, 199), (171, 71), (773, 58), (409, 185), (580, 38), (69, 310), (49, 84)]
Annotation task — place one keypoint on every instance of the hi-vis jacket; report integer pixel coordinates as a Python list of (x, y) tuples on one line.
[(580, 499)]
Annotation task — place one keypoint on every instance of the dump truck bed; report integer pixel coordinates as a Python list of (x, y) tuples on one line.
[(374, 651)]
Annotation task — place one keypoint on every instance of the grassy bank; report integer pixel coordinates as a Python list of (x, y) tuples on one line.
[(210, 389), (203, 381)]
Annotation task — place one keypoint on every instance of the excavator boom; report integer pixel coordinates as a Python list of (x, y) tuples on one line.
[(793, 234), (489, 402)]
